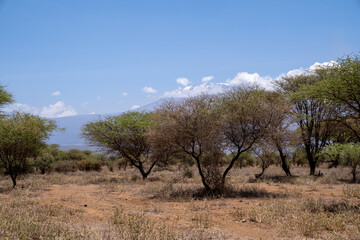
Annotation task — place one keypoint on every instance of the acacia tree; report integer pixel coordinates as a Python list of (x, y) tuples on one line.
[(341, 85), (193, 127), (347, 154), (124, 135), (46, 158), (244, 122), (331, 154), (351, 158), (315, 117), (5, 97), (206, 126), (276, 112), (22, 137), (266, 157)]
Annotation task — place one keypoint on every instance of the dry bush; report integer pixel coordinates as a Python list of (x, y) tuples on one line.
[(350, 191), (172, 191), (65, 166), (89, 165), (252, 191), (22, 218), (200, 215), (134, 226), (309, 217)]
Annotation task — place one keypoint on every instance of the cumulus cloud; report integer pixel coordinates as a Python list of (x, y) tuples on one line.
[(57, 93), (58, 109), (250, 78), (317, 65), (149, 90), (190, 91), (135, 107), (124, 94), (208, 78), (92, 113), (183, 81), (299, 71), (20, 107), (239, 79), (84, 104)]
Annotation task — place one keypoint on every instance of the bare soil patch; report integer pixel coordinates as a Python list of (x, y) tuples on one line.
[(89, 205)]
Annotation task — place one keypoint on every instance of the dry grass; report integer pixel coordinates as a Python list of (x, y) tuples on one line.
[(120, 205), (307, 217), (352, 191)]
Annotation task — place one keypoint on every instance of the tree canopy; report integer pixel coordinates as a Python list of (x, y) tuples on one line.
[(125, 136), (315, 117), (5, 97), (23, 136)]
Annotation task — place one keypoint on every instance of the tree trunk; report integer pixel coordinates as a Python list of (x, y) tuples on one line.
[(354, 174), (125, 164), (151, 167), (260, 174), (227, 170), (207, 187), (312, 167), (141, 169), (13, 178), (311, 160), (284, 163)]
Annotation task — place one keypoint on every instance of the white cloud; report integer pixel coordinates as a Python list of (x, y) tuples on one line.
[(135, 107), (299, 71), (92, 113), (58, 109), (250, 78), (190, 91), (149, 90), (124, 94), (240, 78), (84, 104), (57, 93), (20, 107), (208, 78), (98, 98), (317, 65), (183, 81)]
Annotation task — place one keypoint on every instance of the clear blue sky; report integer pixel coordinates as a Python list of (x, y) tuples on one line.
[(69, 57)]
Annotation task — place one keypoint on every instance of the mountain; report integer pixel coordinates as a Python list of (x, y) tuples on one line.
[(70, 137)]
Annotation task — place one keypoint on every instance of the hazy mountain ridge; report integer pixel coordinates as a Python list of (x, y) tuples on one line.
[(71, 138)]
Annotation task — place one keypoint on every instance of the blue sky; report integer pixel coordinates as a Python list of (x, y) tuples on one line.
[(61, 58)]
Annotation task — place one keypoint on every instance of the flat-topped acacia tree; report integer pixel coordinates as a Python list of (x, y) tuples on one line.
[(22, 136), (124, 135), (315, 117), (207, 126), (341, 85), (192, 126)]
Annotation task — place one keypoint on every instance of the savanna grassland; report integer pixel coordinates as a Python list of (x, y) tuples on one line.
[(169, 205)]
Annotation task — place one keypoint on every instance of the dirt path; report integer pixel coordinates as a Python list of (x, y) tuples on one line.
[(95, 205)]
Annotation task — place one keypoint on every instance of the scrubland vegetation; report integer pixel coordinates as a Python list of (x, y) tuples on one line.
[(249, 163), (118, 204)]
